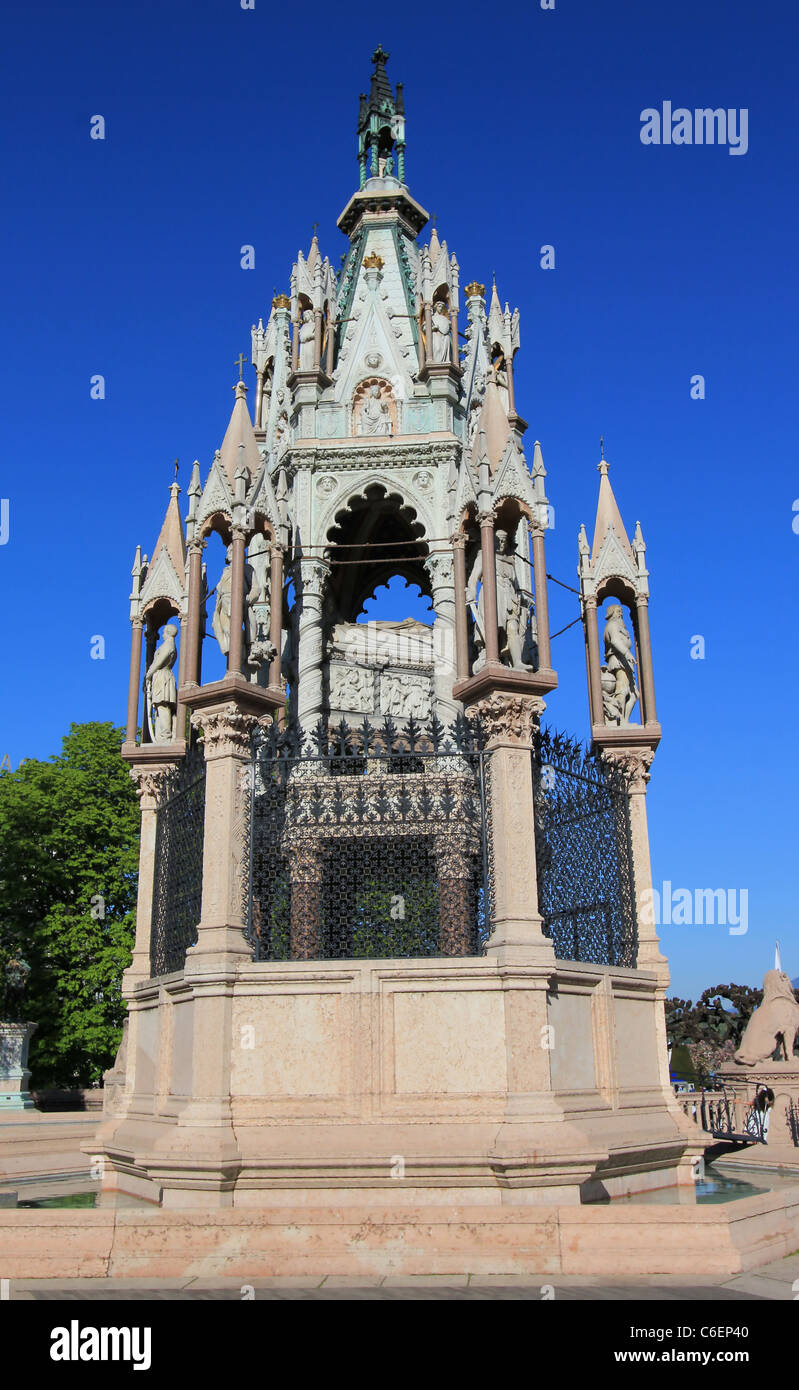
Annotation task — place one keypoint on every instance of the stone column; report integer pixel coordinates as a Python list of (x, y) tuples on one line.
[(317, 340), (191, 670), (649, 713), (453, 323), (150, 780), (276, 610), (594, 664), (636, 762), (455, 909), (259, 396), (440, 569), (236, 604), (461, 629), (541, 597), (331, 343), (510, 722), (305, 929), (295, 342), (489, 586), (134, 681), (227, 734), (310, 694)]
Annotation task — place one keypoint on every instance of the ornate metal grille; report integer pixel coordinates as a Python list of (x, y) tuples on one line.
[(583, 852), (177, 894), (368, 843)]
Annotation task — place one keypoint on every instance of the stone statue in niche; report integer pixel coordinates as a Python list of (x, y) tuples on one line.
[(221, 618), (351, 689), (306, 333), (260, 650), (162, 694), (513, 610), (620, 665), (375, 418), (442, 340)]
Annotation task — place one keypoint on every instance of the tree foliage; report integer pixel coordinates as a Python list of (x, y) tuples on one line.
[(69, 844)]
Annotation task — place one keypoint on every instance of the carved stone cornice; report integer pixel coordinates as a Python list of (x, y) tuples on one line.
[(509, 718), (227, 732), (351, 454)]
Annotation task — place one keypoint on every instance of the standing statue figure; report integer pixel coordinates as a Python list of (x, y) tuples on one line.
[(161, 690), (512, 607), (375, 418), (221, 618), (442, 338), (620, 661), (306, 339)]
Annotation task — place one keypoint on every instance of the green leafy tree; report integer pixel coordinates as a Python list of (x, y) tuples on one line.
[(69, 842)]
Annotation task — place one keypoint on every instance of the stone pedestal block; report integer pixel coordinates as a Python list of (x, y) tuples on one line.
[(14, 1074)]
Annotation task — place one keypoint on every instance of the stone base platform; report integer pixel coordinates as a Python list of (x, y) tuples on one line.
[(370, 1242)]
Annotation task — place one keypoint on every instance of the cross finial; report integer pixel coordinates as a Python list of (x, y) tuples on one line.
[(380, 55), (315, 228), (239, 362), (601, 447), (434, 218), (176, 470)]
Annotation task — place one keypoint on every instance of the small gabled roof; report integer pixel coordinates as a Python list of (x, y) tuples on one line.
[(239, 431)]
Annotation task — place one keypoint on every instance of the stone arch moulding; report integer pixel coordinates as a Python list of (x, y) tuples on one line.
[(402, 489), (386, 395)]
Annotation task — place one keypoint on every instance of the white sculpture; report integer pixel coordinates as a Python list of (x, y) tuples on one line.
[(375, 418), (221, 618), (620, 663), (512, 608), (161, 690), (406, 696), (306, 335), (441, 333), (351, 689)]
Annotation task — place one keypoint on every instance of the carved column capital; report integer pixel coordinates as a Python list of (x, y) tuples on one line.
[(486, 518), (227, 732), (150, 783), (509, 718), (634, 763), (314, 573), (439, 568)]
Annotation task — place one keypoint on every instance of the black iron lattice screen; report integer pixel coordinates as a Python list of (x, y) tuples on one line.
[(584, 854), (368, 842), (177, 888)]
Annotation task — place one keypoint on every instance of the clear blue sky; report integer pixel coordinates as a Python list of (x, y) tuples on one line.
[(228, 126)]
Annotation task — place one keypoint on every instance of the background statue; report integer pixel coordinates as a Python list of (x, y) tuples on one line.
[(620, 661), (161, 690), (441, 333), (221, 618), (512, 607), (773, 1024), (375, 418), (306, 333)]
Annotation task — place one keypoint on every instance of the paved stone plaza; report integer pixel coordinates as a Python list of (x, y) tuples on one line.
[(774, 1281)]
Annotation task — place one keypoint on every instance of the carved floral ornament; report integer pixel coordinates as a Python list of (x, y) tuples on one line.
[(227, 732), (509, 718)]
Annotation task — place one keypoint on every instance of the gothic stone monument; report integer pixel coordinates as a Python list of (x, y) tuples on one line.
[(390, 950)]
